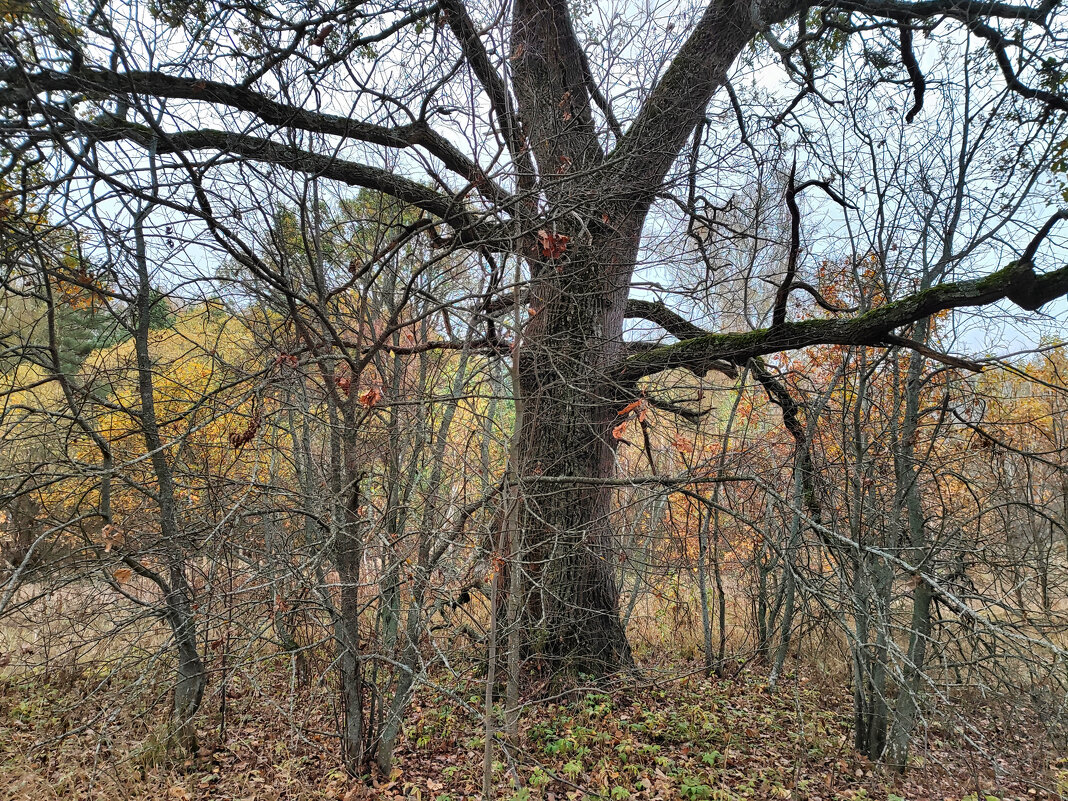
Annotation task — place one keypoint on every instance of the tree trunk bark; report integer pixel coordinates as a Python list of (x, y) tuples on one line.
[(573, 344), (191, 678), (906, 713), (702, 579), (347, 560), (347, 557), (871, 599), (570, 406)]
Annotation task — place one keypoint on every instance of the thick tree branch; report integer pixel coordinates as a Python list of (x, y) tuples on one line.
[(551, 87), (470, 229), (998, 45), (107, 83), (463, 28), (778, 314), (656, 311), (677, 103), (919, 83), (674, 324), (1018, 283), (956, 9)]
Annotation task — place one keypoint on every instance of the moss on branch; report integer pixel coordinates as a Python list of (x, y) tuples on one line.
[(1017, 282)]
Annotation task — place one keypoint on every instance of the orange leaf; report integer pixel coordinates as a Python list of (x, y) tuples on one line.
[(370, 398), (122, 575), (630, 407), (618, 431), (682, 445)]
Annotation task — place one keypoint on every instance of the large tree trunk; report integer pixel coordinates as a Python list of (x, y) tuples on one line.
[(570, 349), (573, 344)]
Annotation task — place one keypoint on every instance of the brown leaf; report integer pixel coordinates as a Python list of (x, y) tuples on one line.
[(320, 38), (552, 245)]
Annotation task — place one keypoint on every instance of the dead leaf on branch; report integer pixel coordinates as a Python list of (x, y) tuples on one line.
[(552, 245), (320, 37), (239, 439), (370, 398)]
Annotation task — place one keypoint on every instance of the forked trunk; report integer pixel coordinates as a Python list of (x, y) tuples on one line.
[(574, 342)]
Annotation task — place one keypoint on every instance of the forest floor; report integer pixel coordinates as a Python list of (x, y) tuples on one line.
[(688, 738)]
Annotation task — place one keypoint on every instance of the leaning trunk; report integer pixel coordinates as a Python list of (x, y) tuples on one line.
[(191, 678)]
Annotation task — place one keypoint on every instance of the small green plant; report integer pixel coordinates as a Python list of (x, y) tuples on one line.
[(620, 793), (710, 758), (694, 789), (558, 747), (539, 778), (572, 769)]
